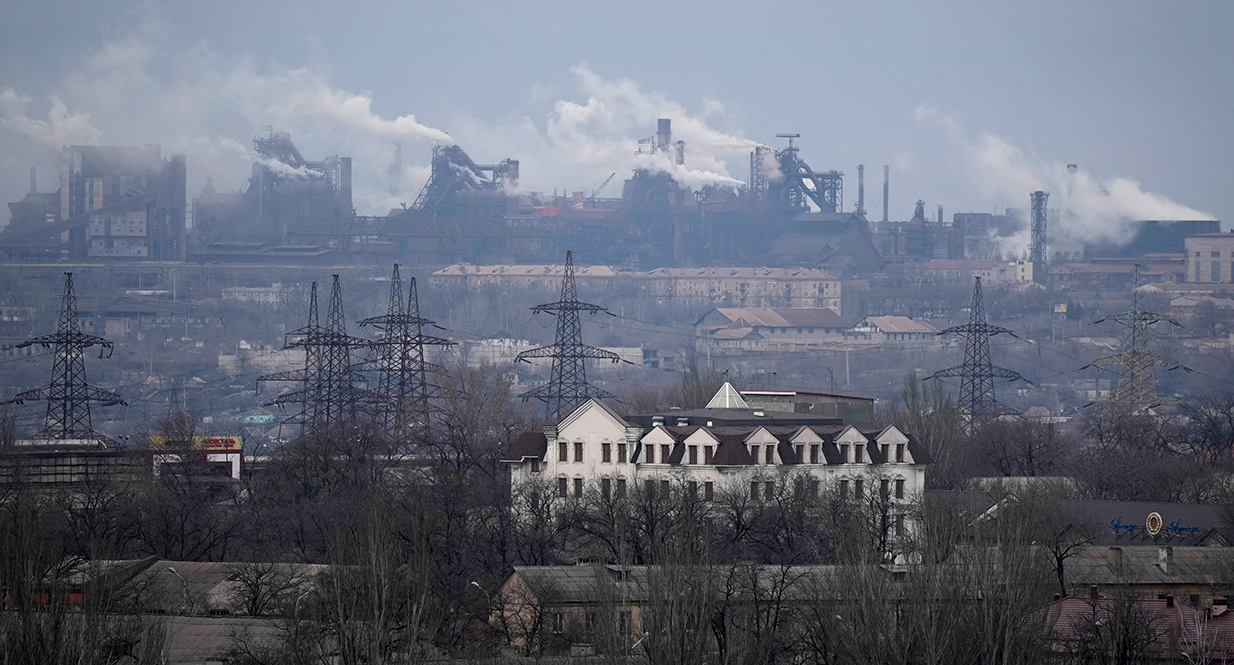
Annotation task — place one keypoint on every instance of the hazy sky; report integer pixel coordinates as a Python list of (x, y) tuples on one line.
[(970, 103)]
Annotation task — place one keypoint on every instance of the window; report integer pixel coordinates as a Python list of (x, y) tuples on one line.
[(621, 488), (578, 451), (900, 525), (649, 488), (578, 488), (859, 453), (650, 457), (771, 454), (885, 449), (813, 488), (899, 452), (693, 454), (844, 453), (664, 454), (755, 451), (559, 623), (1197, 254), (769, 488), (814, 454), (621, 453), (535, 466), (606, 452), (708, 491), (883, 488), (563, 452), (843, 489), (900, 488), (693, 487), (606, 487), (1197, 268), (754, 490), (1216, 255), (1216, 271), (860, 488), (800, 452), (562, 488), (535, 502), (708, 452), (664, 488)]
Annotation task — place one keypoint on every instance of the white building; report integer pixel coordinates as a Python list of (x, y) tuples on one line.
[(724, 447)]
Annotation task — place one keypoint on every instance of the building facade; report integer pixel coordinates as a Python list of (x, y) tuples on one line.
[(726, 449)]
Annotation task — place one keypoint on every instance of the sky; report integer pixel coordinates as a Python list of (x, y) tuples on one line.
[(972, 105)]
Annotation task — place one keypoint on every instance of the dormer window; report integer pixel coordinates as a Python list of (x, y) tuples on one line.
[(900, 452), (814, 454), (771, 454), (859, 453), (693, 454), (708, 453), (754, 453), (664, 454), (535, 466), (844, 453)]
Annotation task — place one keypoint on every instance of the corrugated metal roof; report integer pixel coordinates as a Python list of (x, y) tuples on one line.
[(808, 317), (902, 324)]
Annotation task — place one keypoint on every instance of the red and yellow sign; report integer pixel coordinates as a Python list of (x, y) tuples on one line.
[(213, 444)]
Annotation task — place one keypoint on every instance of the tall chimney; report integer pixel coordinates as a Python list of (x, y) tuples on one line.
[(886, 189), (861, 189), (664, 133), (1165, 559), (940, 214)]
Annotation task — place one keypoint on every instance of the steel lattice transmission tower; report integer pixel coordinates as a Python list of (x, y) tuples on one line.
[(1038, 253), (68, 396), (977, 374), (328, 396), (567, 387), (1137, 383), (403, 388)]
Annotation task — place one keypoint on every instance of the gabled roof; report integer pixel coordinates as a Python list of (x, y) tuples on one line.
[(584, 407), (727, 398), (782, 317), (529, 444)]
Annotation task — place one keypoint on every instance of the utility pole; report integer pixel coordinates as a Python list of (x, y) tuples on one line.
[(68, 396), (977, 374), (567, 387)]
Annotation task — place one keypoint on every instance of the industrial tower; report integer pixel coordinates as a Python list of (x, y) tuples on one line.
[(328, 396), (1037, 250), (403, 389), (977, 374), (567, 387), (1137, 384), (68, 396)]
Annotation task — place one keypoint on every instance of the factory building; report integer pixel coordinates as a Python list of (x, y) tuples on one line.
[(1210, 258), (113, 202)]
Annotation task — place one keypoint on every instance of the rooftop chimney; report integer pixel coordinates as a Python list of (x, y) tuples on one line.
[(34, 180), (657, 420), (940, 214), (1165, 559), (886, 189)]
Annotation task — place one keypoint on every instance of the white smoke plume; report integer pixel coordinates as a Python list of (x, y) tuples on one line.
[(141, 86), (1094, 210)]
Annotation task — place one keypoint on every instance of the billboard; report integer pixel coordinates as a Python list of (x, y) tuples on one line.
[(211, 444)]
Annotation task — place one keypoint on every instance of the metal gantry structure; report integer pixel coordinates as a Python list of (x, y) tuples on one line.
[(329, 395), (1136, 388), (567, 387), (68, 396), (1037, 249), (977, 374), (403, 389)]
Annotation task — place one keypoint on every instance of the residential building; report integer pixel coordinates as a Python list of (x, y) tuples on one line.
[(744, 287), (992, 273), (726, 447), (1210, 258), (260, 295)]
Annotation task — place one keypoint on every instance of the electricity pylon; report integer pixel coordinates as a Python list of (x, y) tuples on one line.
[(68, 396), (403, 388), (977, 374), (328, 396), (567, 387), (1137, 384)]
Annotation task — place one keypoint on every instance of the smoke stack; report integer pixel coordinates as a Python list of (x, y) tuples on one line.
[(861, 189), (940, 214), (396, 169), (681, 153), (886, 189), (345, 186), (664, 133), (512, 173)]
